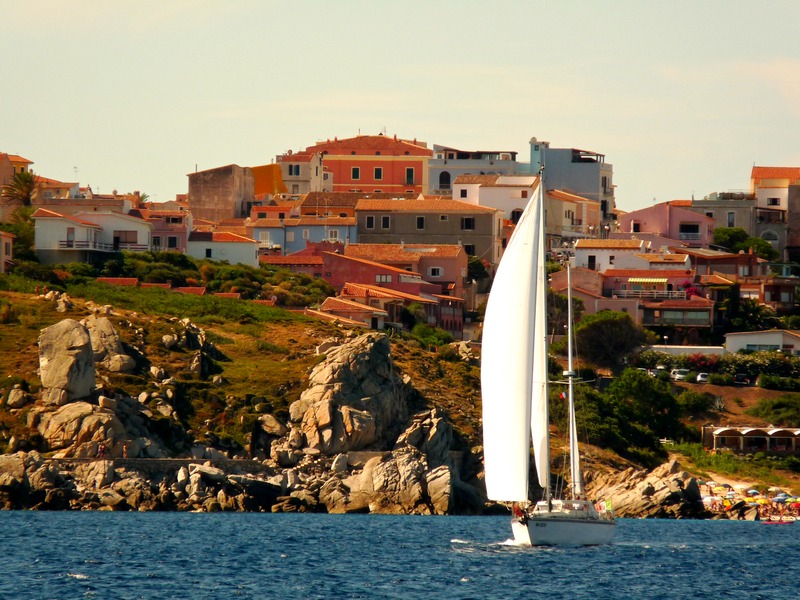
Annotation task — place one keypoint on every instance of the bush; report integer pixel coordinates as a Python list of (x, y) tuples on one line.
[(720, 379), (693, 403)]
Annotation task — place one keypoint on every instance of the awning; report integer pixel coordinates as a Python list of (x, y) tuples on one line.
[(647, 280)]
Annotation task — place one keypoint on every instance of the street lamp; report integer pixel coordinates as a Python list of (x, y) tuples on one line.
[(665, 343)]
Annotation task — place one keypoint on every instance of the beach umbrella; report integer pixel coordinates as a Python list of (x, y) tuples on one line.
[(727, 485), (762, 501), (779, 500), (741, 486), (720, 489), (711, 483), (774, 489), (753, 492), (750, 500)]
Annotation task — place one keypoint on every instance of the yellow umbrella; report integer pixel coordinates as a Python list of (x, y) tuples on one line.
[(762, 501)]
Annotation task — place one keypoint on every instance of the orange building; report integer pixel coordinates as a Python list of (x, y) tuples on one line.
[(375, 163)]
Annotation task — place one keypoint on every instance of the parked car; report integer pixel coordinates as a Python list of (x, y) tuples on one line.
[(702, 378), (741, 379), (678, 374)]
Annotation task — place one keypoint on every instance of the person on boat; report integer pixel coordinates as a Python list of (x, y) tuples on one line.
[(516, 511)]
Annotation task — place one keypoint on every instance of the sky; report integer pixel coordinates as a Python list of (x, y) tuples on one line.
[(681, 97)]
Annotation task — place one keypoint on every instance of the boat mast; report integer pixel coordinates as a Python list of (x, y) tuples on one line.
[(574, 453)]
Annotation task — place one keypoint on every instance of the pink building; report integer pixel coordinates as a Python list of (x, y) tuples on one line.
[(671, 220)]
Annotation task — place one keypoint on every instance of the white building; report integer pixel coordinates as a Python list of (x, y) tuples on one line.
[(782, 340), (223, 246), (599, 255)]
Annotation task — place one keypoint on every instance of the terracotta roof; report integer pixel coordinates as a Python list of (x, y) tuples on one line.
[(333, 318), (714, 280), (692, 302), (674, 273), (311, 220), (662, 258), (792, 332), (43, 213), (196, 291), (343, 199), (362, 290), (562, 195), (296, 157), (234, 295), (791, 173), (420, 206), (680, 203), (118, 280), (304, 259), (149, 213), (166, 286), (479, 179), (332, 303), (397, 253), (264, 302), (610, 244), (392, 146), (376, 264), (219, 236), (17, 158), (705, 253)]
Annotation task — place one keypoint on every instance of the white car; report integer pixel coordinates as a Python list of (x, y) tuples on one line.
[(678, 374), (702, 378)]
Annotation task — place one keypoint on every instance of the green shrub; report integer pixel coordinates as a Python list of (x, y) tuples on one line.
[(720, 379)]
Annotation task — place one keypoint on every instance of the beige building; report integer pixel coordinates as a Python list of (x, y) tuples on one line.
[(436, 221), (221, 193)]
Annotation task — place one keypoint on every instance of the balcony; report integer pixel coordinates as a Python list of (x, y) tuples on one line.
[(689, 237), (685, 320), (102, 246), (650, 294)]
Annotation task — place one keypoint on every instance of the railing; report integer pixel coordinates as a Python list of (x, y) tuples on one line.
[(160, 248), (651, 294), (689, 236), (694, 322), (105, 246)]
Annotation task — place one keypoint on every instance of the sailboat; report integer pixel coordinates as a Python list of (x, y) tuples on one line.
[(514, 390)]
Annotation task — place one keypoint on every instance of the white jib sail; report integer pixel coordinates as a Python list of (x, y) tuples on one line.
[(506, 362)]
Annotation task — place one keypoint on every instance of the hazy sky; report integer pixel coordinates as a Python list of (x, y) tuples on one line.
[(682, 97)]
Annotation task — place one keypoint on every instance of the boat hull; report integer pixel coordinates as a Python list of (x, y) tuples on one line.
[(557, 531)]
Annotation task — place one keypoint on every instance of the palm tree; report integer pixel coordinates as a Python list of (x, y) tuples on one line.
[(24, 187)]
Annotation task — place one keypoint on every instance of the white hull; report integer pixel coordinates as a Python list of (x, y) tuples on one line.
[(558, 531)]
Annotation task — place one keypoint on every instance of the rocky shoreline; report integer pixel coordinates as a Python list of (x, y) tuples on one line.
[(351, 444)]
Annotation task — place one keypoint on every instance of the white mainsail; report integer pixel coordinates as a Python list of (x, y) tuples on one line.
[(507, 357), (540, 418)]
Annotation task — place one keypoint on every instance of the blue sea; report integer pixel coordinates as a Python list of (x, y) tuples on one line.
[(239, 555)]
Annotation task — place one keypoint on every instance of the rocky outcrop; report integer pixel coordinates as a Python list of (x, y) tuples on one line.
[(354, 398), (66, 362), (666, 492), (107, 347)]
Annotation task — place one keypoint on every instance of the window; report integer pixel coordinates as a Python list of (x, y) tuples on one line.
[(463, 193), (604, 183), (515, 215), (370, 222), (172, 242), (294, 170), (443, 217), (306, 234), (378, 173), (524, 194), (295, 188), (208, 252), (409, 175), (385, 222), (157, 241), (773, 201), (469, 249), (290, 236), (635, 227), (174, 220), (420, 222), (731, 219), (611, 259), (333, 234), (710, 214), (467, 223), (383, 278), (355, 173), (592, 262), (435, 272)]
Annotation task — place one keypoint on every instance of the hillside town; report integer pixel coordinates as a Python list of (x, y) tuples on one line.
[(391, 222)]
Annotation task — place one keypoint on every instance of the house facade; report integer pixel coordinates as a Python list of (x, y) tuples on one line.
[(170, 228), (222, 246), (422, 221), (89, 237), (287, 236), (601, 254), (770, 340), (509, 194), (6, 251), (448, 164), (671, 220), (442, 265), (302, 172), (375, 163)]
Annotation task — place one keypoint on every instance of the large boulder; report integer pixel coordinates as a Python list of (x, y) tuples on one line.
[(354, 399), (78, 429), (107, 347), (66, 362)]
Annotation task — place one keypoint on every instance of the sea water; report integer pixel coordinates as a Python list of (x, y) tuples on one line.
[(235, 555)]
